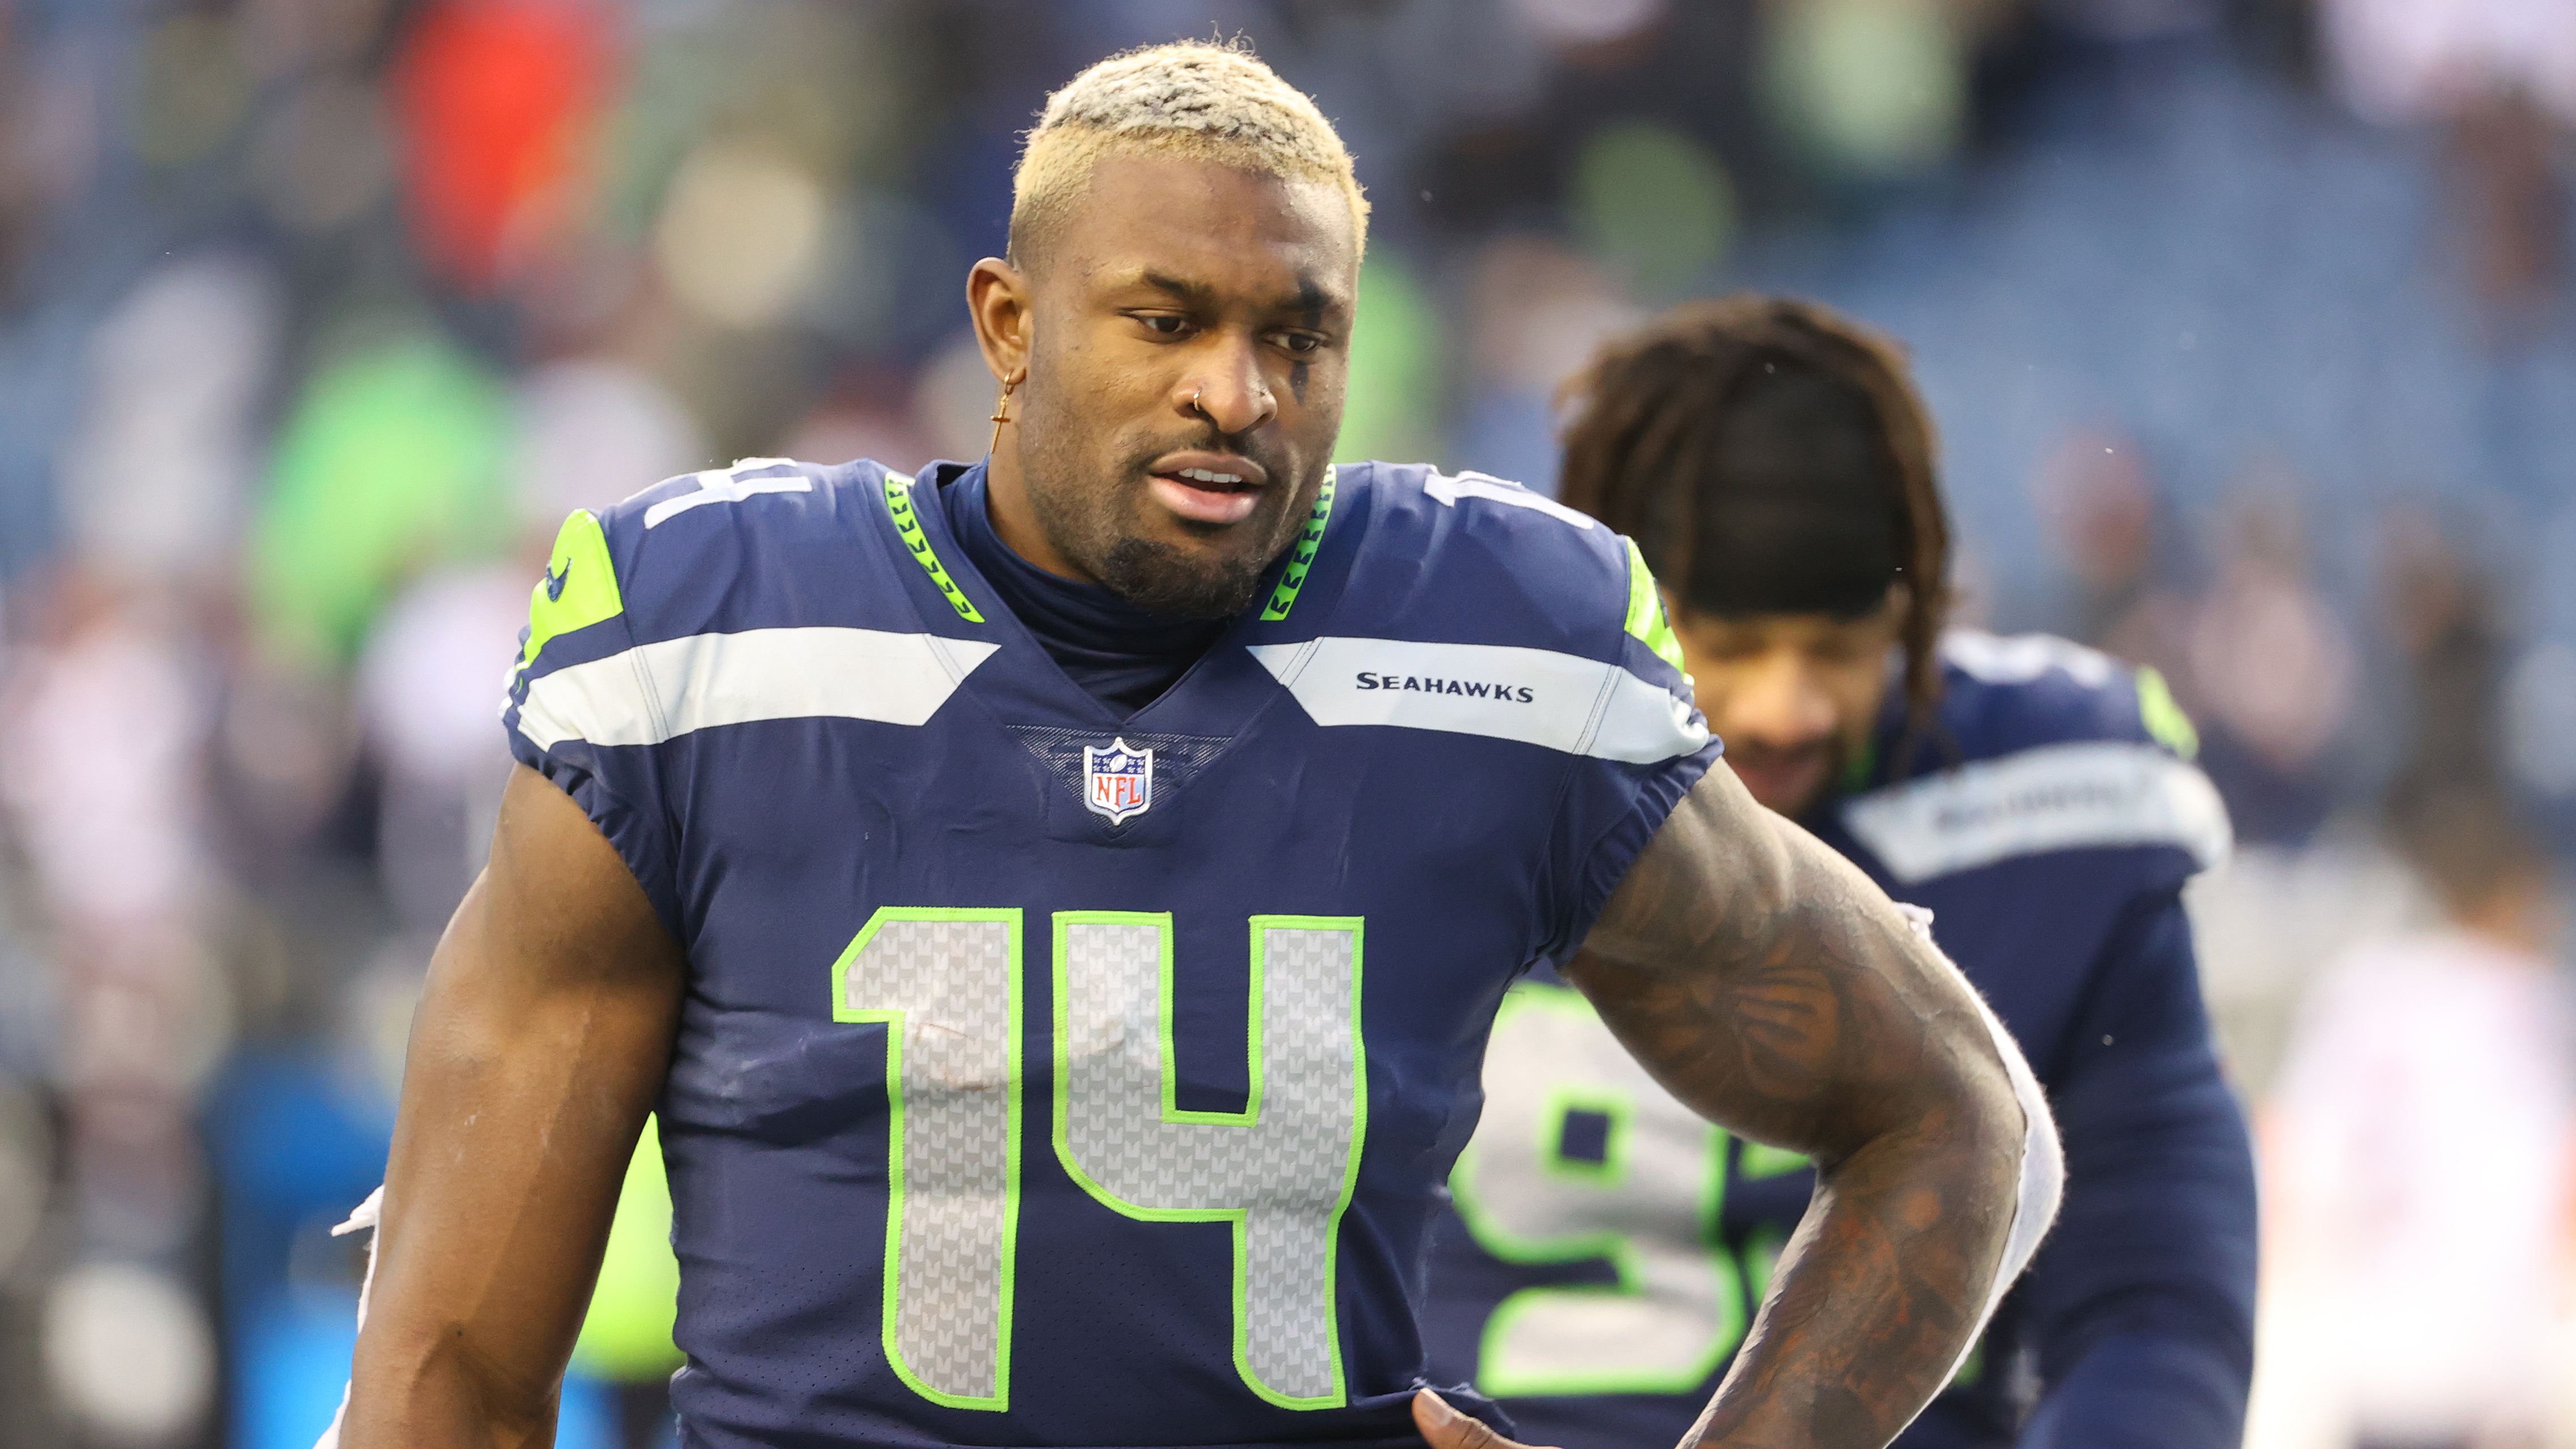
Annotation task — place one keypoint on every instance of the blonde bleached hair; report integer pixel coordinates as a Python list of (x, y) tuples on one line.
[(1198, 99)]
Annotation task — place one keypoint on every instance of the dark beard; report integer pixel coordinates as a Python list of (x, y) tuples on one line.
[(1156, 578)]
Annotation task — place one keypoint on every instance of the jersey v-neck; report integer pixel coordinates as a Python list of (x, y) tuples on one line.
[(1024, 686), (1124, 656)]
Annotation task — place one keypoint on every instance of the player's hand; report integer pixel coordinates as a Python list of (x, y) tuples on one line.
[(1445, 1428)]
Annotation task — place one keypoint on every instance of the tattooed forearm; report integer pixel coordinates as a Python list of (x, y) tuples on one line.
[(1771, 986)]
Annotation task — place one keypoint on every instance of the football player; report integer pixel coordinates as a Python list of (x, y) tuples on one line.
[(1057, 905), (1608, 1247)]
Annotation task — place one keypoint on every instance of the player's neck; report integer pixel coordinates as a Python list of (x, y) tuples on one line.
[(1123, 655), (1015, 521)]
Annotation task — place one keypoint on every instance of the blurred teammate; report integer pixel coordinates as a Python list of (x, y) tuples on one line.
[(1057, 905), (1775, 466)]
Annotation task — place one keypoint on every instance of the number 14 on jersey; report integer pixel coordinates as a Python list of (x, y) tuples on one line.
[(947, 984)]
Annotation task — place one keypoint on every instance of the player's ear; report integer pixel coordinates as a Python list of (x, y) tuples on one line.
[(997, 297)]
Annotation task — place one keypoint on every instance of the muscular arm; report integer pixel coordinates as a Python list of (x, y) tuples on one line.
[(1769, 985), (541, 1041)]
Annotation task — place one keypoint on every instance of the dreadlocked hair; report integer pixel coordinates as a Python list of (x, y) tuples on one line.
[(1647, 414)]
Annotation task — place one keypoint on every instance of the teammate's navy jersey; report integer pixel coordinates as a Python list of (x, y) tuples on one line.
[(1608, 1246), (1051, 1078)]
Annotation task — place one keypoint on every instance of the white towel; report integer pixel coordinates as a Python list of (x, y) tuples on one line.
[(366, 1216)]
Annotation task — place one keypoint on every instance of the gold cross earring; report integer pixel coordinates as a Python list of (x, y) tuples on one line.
[(1002, 410)]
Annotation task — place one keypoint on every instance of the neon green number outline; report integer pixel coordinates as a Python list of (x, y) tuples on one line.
[(1762, 1160), (1250, 1116), (1567, 1098), (1617, 1247), (893, 1022)]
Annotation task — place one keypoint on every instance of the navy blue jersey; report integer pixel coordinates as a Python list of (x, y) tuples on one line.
[(1608, 1247), (1048, 1077)]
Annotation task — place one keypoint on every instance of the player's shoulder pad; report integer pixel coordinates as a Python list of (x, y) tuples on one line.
[(1494, 555), (2058, 747), (1475, 605), (719, 550)]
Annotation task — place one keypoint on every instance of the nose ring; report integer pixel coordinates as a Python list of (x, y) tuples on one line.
[(1194, 401)]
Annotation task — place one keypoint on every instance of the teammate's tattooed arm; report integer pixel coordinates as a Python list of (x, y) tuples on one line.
[(542, 1037), (1768, 984)]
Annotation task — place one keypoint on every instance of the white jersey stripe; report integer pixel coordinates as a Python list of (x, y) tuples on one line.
[(2021, 658), (1449, 490), (660, 691), (2054, 797), (1537, 696), (720, 485)]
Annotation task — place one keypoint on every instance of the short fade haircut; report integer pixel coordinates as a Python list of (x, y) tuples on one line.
[(1197, 99), (1648, 413)]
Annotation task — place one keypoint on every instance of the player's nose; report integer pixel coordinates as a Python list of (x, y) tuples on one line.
[(1226, 387)]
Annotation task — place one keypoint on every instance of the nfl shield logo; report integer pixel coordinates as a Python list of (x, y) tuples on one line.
[(1117, 782)]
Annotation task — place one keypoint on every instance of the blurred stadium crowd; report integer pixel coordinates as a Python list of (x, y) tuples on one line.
[(2245, 320)]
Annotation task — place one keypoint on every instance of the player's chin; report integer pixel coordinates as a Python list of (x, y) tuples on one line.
[(1186, 578)]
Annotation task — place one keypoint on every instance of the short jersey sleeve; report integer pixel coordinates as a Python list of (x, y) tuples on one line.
[(580, 707), (2050, 747), (1650, 745), (1476, 607), (1535, 592)]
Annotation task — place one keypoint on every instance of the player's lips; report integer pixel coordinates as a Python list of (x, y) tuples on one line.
[(1208, 487)]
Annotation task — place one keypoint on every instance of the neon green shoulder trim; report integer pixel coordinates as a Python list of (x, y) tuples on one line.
[(1302, 557), (1646, 609), (579, 589), (2166, 724), (907, 525)]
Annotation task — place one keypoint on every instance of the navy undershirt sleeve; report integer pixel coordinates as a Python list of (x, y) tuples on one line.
[(2141, 1303)]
